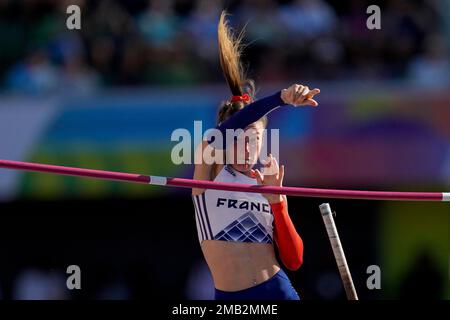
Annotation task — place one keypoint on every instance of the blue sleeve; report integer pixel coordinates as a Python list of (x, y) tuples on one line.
[(248, 115)]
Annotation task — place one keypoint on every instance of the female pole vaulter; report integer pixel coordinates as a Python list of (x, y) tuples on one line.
[(237, 230)]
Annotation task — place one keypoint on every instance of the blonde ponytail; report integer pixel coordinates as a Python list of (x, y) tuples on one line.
[(230, 50)]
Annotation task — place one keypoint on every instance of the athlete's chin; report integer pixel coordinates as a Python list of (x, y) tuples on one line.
[(244, 168)]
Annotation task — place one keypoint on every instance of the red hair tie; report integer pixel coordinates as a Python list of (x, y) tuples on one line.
[(245, 97)]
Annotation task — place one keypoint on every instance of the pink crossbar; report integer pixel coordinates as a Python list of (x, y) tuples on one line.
[(190, 183)]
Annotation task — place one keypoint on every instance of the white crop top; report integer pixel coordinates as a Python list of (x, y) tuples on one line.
[(233, 216)]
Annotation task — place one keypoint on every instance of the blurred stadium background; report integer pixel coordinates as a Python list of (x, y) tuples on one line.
[(109, 96)]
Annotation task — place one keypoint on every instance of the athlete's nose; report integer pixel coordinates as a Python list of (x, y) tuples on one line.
[(247, 147)]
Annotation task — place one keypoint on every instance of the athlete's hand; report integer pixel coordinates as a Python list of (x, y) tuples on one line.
[(272, 175), (299, 95)]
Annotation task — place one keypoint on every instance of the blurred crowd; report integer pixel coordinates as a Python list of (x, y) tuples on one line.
[(174, 42)]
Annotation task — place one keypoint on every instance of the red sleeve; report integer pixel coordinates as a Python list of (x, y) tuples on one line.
[(289, 242)]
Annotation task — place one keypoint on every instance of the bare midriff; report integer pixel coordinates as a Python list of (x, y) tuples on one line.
[(239, 265)]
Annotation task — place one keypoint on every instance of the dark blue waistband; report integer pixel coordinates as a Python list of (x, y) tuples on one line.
[(278, 287)]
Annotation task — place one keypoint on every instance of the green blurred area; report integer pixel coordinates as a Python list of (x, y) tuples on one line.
[(409, 234), (48, 186)]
